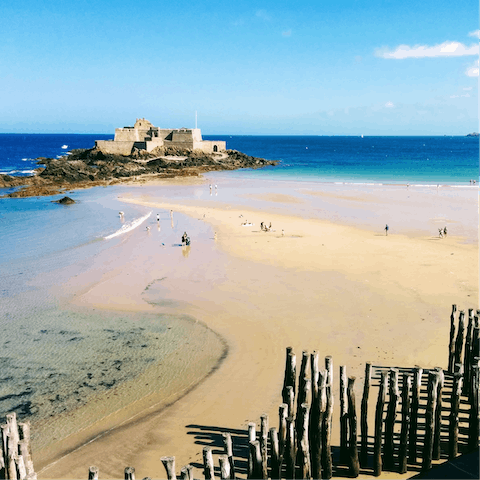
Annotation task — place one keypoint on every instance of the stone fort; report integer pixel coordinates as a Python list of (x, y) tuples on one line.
[(144, 136)]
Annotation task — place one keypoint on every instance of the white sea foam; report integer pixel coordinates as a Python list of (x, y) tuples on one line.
[(127, 227)]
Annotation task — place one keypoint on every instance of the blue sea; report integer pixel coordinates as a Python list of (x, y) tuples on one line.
[(41, 338)]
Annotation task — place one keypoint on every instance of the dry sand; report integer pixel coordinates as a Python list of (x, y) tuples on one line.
[(344, 291)]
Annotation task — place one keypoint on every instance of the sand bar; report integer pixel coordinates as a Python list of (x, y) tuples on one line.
[(344, 291)]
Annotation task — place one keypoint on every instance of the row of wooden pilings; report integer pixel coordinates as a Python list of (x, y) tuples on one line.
[(15, 450)]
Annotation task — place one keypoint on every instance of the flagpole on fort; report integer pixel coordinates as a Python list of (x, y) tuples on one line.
[(195, 119)]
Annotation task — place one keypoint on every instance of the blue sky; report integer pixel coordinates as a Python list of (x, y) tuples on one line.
[(373, 67)]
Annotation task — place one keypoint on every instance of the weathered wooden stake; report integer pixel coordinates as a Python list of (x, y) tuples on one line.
[(364, 416), (459, 340), (303, 391), (453, 417), (438, 416), (475, 342), (224, 467), (93, 473), (314, 359), (169, 464), (343, 415), (290, 374), (290, 401), (252, 434), (467, 358), (353, 462), (275, 454), (430, 420), (187, 472), (412, 438), (474, 417), (228, 445), (451, 344), (377, 445), (289, 453), (303, 444), (208, 468), (327, 465), (316, 426), (282, 427), (256, 457), (393, 394), (402, 451), (329, 368), (263, 444), (129, 473)]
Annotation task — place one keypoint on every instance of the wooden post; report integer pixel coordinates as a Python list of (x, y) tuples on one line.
[(224, 467), (290, 401), (227, 443), (459, 340), (327, 466), (453, 417), (467, 355), (343, 415), (303, 374), (256, 457), (451, 344), (364, 416), (93, 473), (314, 358), (22, 471), (474, 417), (2, 465), (438, 415), (24, 430), (475, 342), (187, 472), (316, 427), (377, 445), (430, 420), (23, 448), (252, 434), (412, 440), (303, 444), (263, 444), (169, 464), (302, 395), (353, 463), (208, 468), (275, 454), (393, 394), (329, 368), (289, 453), (290, 374), (129, 473), (282, 427), (402, 452)]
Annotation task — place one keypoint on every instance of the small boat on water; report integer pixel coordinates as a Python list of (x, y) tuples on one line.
[(64, 147)]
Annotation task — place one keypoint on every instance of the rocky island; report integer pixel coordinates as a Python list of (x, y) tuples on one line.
[(139, 153)]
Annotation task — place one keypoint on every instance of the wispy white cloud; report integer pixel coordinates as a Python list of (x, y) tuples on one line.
[(475, 33), (263, 14), (389, 105), (467, 95), (287, 33), (445, 49), (472, 71)]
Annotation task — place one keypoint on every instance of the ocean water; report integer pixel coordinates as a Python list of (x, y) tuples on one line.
[(50, 347)]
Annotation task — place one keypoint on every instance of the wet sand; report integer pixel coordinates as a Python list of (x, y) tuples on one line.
[(325, 285)]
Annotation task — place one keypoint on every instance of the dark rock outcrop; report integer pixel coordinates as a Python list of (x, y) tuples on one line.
[(65, 201), (84, 168)]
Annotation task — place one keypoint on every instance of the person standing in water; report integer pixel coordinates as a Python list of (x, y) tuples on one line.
[(386, 230)]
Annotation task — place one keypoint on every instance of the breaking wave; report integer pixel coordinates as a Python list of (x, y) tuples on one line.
[(127, 227)]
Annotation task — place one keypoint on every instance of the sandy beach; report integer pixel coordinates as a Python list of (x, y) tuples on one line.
[(332, 282)]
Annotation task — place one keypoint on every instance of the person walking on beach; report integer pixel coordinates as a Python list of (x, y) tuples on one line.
[(445, 232), (440, 233), (158, 217), (386, 230)]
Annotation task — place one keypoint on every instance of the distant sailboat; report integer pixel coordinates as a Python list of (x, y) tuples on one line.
[(64, 146), (362, 136)]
